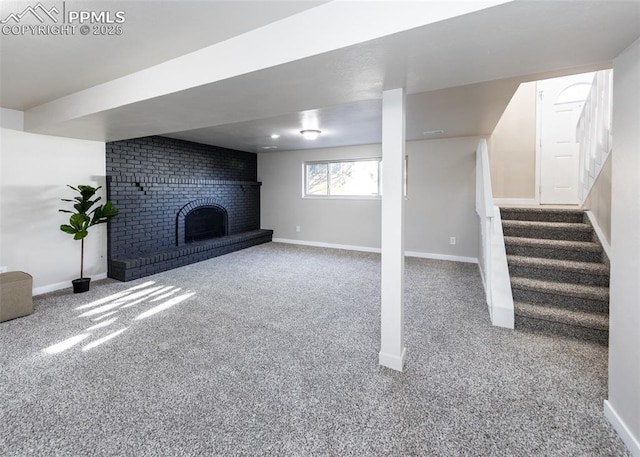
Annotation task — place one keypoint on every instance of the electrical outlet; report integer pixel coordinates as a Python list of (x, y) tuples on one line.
[(452, 240), (297, 228)]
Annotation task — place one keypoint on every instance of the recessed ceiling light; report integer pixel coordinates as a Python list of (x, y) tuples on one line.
[(310, 134), (269, 147), (433, 132), (275, 136)]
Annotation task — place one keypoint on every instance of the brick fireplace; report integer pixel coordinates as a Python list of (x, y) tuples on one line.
[(162, 186)]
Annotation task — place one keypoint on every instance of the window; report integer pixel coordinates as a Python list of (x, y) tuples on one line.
[(574, 93), (349, 178)]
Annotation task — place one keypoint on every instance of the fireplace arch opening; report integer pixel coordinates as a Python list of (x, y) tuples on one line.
[(205, 222), (201, 220)]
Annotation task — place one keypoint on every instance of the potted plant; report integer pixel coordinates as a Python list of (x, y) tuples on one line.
[(86, 215)]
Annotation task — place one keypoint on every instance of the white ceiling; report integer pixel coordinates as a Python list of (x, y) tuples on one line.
[(459, 73), (460, 111), (38, 69)]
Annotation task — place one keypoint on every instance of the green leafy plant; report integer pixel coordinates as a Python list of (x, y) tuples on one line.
[(86, 215)]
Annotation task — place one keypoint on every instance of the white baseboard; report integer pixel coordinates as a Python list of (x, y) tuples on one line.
[(62, 285), (599, 234), (621, 428), (348, 247), (515, 201), (451, 258), (319, 244), (393, 361)]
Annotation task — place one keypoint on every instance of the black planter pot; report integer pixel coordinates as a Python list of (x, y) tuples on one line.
[(80, 285)]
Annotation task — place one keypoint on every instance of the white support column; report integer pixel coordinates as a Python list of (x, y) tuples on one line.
[(392, 350)]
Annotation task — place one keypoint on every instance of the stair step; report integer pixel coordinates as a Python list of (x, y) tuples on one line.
[(542, 214), (562, 288), (548, 230), (560, 330), (559, 273), (597, 321), (582, 251), (561, 295), (586, 273)]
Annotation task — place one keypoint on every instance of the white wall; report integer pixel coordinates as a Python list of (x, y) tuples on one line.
[(623, 405), (441, 199), (513, 147), (34, 172), (599, 199), (352, 222)]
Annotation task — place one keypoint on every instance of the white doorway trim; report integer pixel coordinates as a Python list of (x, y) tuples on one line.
[(538, 165), (558, 86)]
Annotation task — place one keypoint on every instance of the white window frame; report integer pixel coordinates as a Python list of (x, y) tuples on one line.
[(328, 163)]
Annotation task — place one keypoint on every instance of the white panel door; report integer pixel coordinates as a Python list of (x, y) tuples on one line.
[(560, 105)]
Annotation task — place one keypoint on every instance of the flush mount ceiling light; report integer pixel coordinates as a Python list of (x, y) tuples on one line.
[(310, 134), (275, 136)]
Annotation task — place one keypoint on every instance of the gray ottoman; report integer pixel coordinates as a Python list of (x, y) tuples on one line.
[(16, 297)]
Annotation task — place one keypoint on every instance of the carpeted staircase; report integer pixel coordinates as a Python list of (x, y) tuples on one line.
[(559, 272)]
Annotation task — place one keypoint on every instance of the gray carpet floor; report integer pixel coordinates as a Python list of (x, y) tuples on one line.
[(274, 351)]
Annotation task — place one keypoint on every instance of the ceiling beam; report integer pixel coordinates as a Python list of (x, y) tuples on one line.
[(312, 32)]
